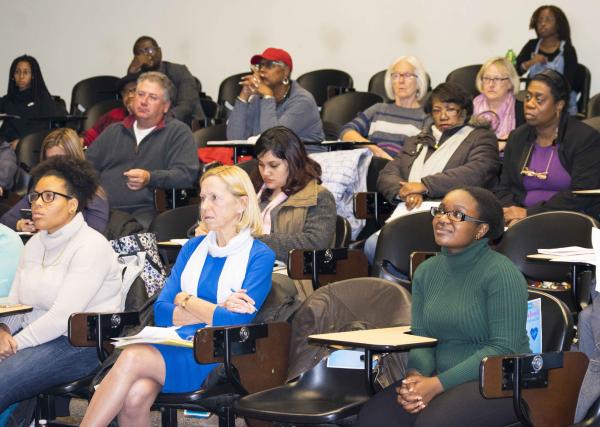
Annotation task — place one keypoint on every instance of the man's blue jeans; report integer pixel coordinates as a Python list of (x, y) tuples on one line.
[(35, 369)]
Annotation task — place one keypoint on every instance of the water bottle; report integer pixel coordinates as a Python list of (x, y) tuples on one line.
[(511, 57)]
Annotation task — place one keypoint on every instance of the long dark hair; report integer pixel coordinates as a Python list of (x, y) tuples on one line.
[(38, 87), (562, 23), (285, 145)]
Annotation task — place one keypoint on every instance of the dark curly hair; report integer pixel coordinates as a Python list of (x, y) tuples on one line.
[(285, 145), (562, 23), (450, 92), (489, 209), (79, 175)]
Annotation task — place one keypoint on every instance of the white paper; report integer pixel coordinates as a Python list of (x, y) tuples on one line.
[(401, 209), (596, 246), (568, 250), (152, 335), (179, 241)]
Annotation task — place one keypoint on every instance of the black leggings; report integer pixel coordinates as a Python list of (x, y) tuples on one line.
[(461, 406)]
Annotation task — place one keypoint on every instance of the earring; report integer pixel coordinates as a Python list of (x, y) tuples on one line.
[(286, 81)]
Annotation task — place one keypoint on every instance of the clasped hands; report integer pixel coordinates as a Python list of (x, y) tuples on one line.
[(253, 84), (412, 194), (236, 302), (8, 345), (417, 391)]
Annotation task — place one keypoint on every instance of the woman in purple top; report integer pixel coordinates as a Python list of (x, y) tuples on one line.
[(550, 156), (61, 142)]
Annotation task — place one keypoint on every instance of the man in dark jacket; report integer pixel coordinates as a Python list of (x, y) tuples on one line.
[(185, 104), (145, 151)]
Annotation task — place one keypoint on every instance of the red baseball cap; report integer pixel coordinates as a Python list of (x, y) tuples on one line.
[(273, 54)]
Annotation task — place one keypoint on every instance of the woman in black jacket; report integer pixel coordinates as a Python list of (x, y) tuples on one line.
[(28, 98), (550, 156)]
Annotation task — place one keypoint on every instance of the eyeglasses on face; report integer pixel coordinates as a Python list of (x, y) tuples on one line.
[(269, 64), (450, 111), (47, 196), (454, 216), (496, 80), (405, 76), (151, 50)]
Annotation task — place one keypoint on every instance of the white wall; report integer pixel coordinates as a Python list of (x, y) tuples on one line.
[(74, 39)]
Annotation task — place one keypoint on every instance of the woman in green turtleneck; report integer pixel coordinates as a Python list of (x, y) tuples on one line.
[(474, 301)]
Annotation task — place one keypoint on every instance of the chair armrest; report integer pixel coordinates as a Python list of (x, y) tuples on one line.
[(96, 329), (257, 353), (372, 205), (416, 258), (170, 198), (547, 384), (327, 265)]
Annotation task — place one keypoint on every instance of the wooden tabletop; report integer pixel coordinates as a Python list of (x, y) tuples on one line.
[(389, 339)]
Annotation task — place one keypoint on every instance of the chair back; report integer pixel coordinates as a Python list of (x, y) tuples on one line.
[(98, 110), (210, 133), (377, 85), (594, 121), (558, 327), (336, 307), (593, 109), (343, 108), (29, 149), (229, 89), (323, 84), (401, 237), (465, 77), (91, 91), (581, 84), (174, 223), (21, 183), (543, 231)]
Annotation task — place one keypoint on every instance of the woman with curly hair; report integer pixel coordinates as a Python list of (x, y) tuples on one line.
[(66, 267)]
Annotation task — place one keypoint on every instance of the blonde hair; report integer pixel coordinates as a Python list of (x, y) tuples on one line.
[(64, 138), (502, 62), (239, 184), (422, 79)]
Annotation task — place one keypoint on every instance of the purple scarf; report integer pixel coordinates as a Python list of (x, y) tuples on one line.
[(506, 113)]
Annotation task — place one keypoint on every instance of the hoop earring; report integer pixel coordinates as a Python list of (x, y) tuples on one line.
[(286, 81)]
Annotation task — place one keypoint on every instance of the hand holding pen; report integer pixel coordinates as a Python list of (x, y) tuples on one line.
[(239, 302)]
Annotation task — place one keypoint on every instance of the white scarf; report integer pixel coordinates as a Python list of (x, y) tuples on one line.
[(232, 276), (439, 158)]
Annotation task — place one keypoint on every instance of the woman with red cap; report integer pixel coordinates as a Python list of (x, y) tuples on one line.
[(270, 98)]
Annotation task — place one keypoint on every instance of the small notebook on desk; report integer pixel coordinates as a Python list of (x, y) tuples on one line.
[(9, 309)]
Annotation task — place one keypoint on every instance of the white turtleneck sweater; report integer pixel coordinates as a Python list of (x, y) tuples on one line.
[(71, 270)]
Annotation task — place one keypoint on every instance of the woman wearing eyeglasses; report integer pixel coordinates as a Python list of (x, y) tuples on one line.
[(387, 125), (61, 142), (474, 301), (270, 98), (498, 83), (550, 156), (448, 154), (67, 267)]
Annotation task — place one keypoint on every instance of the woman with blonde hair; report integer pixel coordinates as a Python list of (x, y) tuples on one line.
[(61, 142), (388, 125), (221, 278), (498, 83)]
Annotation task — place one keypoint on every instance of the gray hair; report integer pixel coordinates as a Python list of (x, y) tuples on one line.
[(422, 79), (162, 80), (502, 62)]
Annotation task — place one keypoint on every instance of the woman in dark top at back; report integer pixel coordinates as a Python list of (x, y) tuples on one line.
[(28, 98), (552, 49)]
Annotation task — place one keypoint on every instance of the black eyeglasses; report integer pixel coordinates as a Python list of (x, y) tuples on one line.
[(47, 196), (454, 216)]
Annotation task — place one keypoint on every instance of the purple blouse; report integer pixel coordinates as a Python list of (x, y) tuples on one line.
[(540, 190)]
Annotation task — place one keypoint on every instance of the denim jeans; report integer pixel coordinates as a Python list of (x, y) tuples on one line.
[(35, 369)]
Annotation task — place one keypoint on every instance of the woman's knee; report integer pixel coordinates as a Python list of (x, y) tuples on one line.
[(140, 396), (136, 358)]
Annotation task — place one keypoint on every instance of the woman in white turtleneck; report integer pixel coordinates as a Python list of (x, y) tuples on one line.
[(67, 267)]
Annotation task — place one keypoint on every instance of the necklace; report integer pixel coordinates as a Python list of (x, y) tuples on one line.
[(56, 260), (285, 93), (539, 175)]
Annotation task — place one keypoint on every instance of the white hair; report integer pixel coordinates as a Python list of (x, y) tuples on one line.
[(422, 79)]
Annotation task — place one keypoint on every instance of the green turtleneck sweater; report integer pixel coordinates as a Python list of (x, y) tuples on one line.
[(475, 303)]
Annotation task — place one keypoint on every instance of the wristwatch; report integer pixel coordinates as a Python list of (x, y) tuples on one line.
[(185, 300)]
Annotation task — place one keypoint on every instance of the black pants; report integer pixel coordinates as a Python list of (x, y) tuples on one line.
[(461, 406)]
